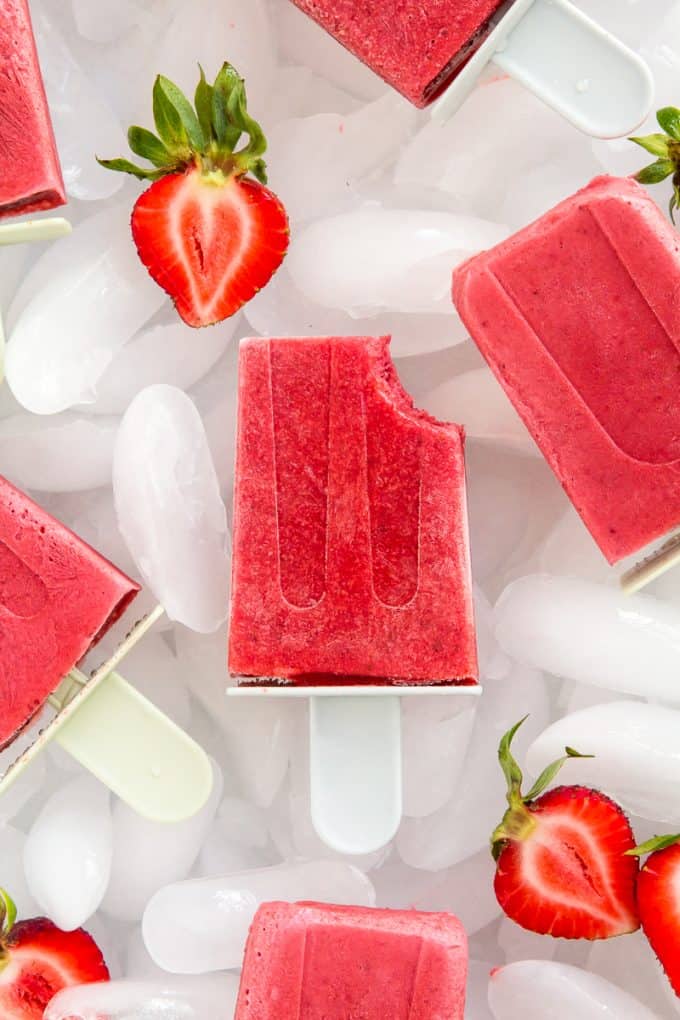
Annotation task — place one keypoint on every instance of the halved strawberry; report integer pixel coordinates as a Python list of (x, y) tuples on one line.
[(658, 897), (208, 233), (562, 868), (37, 960)]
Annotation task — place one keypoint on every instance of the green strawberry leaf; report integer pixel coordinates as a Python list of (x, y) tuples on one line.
[(652, 845), (548, 774), (655, 172), (203, 100), (145, 144), (656, 144), (226, 130), (184, 111), (669, 120), (124, 166), (8, 913)]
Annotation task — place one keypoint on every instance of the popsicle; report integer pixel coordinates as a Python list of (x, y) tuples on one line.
[(578, 315), (431, 48), (350, 561), (30, 175), (315, 961), (57, 598)]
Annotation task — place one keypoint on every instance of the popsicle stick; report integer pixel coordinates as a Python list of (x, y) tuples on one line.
[(653, 566), (26, 231), (565, 58), (355, 770), (135, 750)]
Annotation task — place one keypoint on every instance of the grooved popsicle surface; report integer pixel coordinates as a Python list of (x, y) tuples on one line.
[(416, 46), (351, 557), (314, 961), (30, 175), (57, 597), (579, 317)]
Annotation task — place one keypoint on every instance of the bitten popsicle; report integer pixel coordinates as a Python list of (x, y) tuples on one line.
[(30, 175), (350, 560), (315, 961), (578, 315), (57, 598)]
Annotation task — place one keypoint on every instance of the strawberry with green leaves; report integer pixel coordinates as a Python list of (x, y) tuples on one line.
[(37, 960), (666, 147), (561, 864), (208, 230), (659, 901)]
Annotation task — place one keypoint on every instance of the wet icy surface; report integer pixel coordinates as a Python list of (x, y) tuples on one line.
[(121, 420)]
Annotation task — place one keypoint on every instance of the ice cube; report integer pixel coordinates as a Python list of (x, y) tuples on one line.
[(84, 123), (147, 855), (636, 755), (463, 825), (169, 999), (169, 507), (83, 299), (404, 261), (67, 856), (28, 783), (12, 843), (159, 354), (154, 670), (465, 890), (201, 925), (339, 151), (593, 634), (109, 19), (62, 453), (432, 765), (522, 990)]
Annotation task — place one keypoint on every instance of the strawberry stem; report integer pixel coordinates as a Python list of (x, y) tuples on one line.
[(518, 822), (666, 147), (8, 913)]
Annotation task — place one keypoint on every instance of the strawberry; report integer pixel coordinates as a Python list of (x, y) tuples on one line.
[(561, 857), (659, 901), (37, 960), (207, 229)]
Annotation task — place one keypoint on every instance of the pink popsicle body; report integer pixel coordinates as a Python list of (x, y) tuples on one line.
[(578, 315), (350, 557), (57, 597), (417, 46), (30, 175), (313, 961)]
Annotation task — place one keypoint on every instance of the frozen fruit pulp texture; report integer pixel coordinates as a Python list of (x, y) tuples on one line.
[(350, 529), (315, 961), (578, 315), (30, 175), (416, 47), (57, 597)]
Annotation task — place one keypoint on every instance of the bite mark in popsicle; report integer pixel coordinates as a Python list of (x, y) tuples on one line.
[(30, 175), (577, 315), (351, 560), (57, 597), (307, 961)]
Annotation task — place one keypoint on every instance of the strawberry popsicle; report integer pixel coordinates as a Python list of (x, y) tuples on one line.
[(351, 559), (314, 961), (30, 175), (416, 47), (578, 316), (57, 597)]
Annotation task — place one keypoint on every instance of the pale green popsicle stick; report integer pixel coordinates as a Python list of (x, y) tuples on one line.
[(24, 231)]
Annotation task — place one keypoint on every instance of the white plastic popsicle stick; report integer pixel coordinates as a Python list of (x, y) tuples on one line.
[(355, 757), (25, 231), (123, 739), (570, 62)]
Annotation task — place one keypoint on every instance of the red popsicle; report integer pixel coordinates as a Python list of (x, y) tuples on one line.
[(30, 175), (351, 559), (416, 47), (578, 315), (57, 598), (314, 961)]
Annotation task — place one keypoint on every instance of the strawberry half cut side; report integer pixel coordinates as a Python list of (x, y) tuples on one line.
[(207, 229), (659, 901), (37, 960), (561, 857)]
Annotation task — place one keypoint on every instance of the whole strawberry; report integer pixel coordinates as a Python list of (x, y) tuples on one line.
[(659, 901), (37, 960), (562, 868), (207, 229)]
